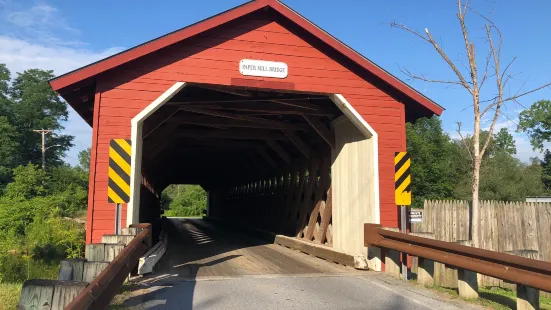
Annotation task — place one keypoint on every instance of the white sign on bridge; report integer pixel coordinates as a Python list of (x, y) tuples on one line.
[(263, 68)]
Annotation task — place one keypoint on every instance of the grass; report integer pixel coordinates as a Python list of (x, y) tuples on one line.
[(9, 295), (494, 298), (125, 292)]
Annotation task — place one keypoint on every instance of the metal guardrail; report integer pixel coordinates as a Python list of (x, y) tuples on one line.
[(99, 293), (516, 269)]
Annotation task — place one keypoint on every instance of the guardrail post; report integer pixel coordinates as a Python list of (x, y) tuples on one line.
[(374, 258), (392, 263), (425, 272), (467, 281), (528, 298)]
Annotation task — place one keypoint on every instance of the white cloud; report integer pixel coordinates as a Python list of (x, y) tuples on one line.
[(37, 20), (39, 37), (20, 55)]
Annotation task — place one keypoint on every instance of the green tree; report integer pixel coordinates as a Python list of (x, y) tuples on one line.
[(34, 105), (29, 181), (184, 200), (504, 141), (35, 204), (84, 159), (536, 122), (4, 88), (505, 178), (9, 155), (546, 170), (431, 151)]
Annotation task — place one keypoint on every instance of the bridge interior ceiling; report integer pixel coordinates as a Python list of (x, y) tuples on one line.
[(219, 137)]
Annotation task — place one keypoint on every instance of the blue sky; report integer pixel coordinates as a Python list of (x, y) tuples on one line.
[(63, 35)]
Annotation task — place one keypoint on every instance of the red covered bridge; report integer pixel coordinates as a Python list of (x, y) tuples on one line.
[(288, 129)]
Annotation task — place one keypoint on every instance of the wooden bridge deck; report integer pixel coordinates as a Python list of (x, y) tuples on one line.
[(197, 249)]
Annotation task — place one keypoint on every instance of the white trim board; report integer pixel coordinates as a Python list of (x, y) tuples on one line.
[(133, 212)]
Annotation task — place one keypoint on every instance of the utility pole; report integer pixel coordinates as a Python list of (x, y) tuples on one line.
[(43, 132)]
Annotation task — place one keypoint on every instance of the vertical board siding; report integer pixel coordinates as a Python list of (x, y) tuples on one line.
[(353, 186), (213, 57), (504, 227)]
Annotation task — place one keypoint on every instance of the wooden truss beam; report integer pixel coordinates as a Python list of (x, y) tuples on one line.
[(301, 146), (265, 109), (231, 134), (160, 133), (222, 123), (237, 92), (158, 119), (320, 128), (220, 143), (295, 102), (239, 117), (279, 150), (267, 158)]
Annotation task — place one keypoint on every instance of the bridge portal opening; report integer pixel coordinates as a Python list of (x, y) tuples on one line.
[(290, 163)]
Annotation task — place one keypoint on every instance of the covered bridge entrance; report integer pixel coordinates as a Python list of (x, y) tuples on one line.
[(288, 129)]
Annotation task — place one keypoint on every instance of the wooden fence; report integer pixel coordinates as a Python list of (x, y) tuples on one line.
[(506, 227)]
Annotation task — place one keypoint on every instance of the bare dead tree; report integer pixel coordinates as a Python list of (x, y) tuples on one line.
[(473, 83)]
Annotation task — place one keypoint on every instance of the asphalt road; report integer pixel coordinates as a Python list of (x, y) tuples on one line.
[(207, 267), (370, 291)]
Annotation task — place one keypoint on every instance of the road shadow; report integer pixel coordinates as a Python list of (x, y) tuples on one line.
[(193, 244)]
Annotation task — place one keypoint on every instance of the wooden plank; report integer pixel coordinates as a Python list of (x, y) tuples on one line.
[(37, 294), (268, 108), (112, 250), (279, 150), (325, 218), (92, 270), (117, 239), (320, 251), (65, 292), (234, 134), (225, 122), (267, 158), (231, 91), (544, 233), (324, 182), (306, 204), (130, 231), (95, 252), (298, 104), (323, 131), (71, 269), (301, 146), (151, 258), (239, 117)]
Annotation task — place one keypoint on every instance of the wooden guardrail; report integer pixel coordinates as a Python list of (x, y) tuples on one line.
[(99, 293), (529, 274)]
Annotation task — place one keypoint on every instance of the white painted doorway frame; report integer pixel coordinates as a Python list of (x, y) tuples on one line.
[(132, 212), (133, 209)]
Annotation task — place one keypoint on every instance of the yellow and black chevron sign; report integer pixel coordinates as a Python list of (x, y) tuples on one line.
[(402, 178), (120, 153)]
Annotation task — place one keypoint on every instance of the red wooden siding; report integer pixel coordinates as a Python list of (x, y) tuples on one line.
[(213, 57)]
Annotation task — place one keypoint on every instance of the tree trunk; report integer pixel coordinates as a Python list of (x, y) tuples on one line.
[(475, 214), (477, 160)]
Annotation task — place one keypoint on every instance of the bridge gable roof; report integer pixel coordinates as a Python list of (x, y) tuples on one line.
[(74, 80)]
